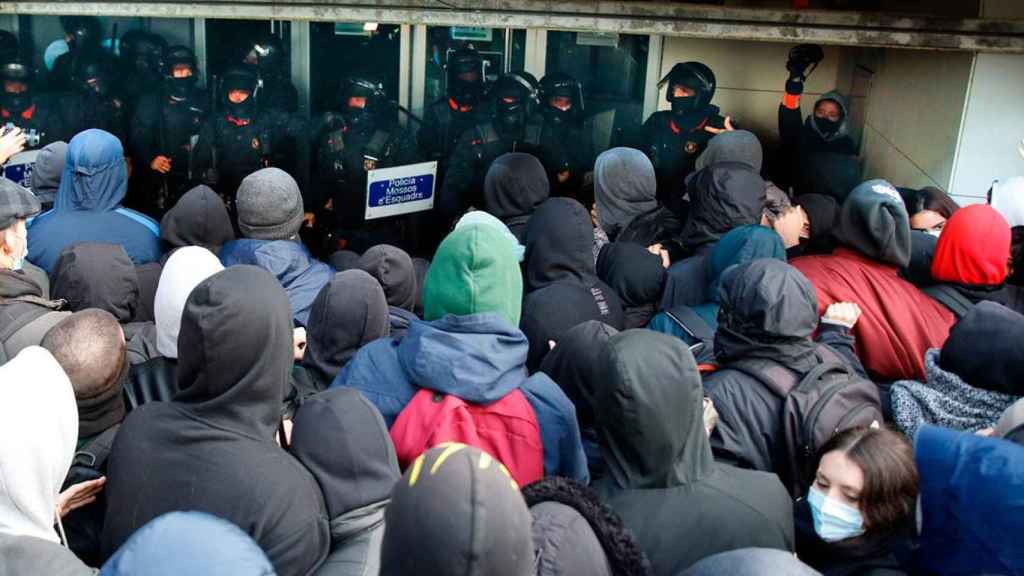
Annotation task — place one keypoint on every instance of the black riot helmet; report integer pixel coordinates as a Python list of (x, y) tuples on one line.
[(515, 99), (695, 76), (83, 32), (175, 58), (90, 76), (240, 78), (465, 76), (267, 54), (8, 47), (18, 76), (142, 53), (367, 90), (557, 90)]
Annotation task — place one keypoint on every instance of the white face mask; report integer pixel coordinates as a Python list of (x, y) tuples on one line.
[(19, 261), (833, 520)]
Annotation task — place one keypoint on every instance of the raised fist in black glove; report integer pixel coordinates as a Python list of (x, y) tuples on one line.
[(803, 59)]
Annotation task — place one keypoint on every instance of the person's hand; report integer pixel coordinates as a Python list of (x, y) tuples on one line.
[(728, 127), (78, 495), (161, 164), (299, 340), (593, 213), (658, 250), (710, 416), (11, 143), (986, 432), (563, 176), (309, 219), (842, 314)]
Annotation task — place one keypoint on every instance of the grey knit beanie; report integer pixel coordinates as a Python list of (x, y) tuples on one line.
[(269, 205)]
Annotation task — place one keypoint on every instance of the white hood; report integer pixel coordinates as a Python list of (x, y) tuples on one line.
[(38, 434), (1008, 199), (184, 270)]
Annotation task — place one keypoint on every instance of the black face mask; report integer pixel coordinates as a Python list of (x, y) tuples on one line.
[(558, 116), (358, 118), (826, 126), (180, 88), (243, 110), (510, 117), (685, 113), (17, 103)]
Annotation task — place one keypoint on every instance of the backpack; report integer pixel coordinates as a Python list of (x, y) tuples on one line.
[(84, 526), (22, 311), (506, 429), (951, 298), (823, 402)]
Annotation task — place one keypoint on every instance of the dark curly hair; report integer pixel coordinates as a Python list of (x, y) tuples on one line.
[(624, 554)]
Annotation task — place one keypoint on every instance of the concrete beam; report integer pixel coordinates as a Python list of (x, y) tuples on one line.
[(824, 27)]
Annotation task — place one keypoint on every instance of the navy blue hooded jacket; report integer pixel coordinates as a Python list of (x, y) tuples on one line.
[(88, 206), (479, 358)]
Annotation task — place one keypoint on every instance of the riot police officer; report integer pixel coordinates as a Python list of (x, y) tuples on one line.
[(673, 139), (141, 54), (242, 137), (22, 107), (82, 34), (92, 100), (364, 136), (165, 128), (566, 142), (515, 100), (275, 88), (463, 107)]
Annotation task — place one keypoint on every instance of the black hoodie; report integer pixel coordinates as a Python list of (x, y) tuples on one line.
[(340, 437), (214, 444), (198, 219), (637, 276), (516, 184), (349, 312), (662, 481), (723, 196), (562, 288)]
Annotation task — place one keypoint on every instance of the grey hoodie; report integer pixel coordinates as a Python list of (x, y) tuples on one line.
[(844, 128), (47, 171)]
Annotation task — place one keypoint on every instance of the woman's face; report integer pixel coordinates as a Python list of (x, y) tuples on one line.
[(928, 221), (840, 478)]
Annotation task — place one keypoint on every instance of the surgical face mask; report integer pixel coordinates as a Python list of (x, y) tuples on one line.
[(827, 126), (833, 520), (21, 248)]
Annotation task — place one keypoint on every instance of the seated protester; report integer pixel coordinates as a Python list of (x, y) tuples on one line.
[(457, 511), (47, 172), (637, 276), (90, 275), (470, 349), (574, 365), (929, 208), (189, 543), (971, 261), (269, 216), (626, 205), (515, 185), (26, 314), (974, 377), (349, 313), (394, 270), (722, 197), (764, 350), (562, 287), (696, 325), (679, 504), (858, 516), (751, 562), (236, 350), (574, 532), (88, 206), (90, 347), (39, 427), (157, 378), (899, 322), (970, 506), (199, 218), (806, 226), (341, 439), (344, 260)]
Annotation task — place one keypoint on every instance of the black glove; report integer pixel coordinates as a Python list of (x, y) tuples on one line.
[(803, 59)]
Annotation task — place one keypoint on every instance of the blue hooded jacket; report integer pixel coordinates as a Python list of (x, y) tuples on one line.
[(189, 543), (301, 275), (88, 206), (972, 512), (477, 357)]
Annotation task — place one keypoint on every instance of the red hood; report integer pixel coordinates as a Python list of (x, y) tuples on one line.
[(974, 248)]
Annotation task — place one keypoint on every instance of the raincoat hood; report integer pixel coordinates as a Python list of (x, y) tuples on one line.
[(648, 410), (559, 245), (95, 177), (515, 185), (575, 365), (393, 268), (624, 187), (198, 219), (874, 221), (235, 352), (636, 275), (184, 270), (92, 275), (723, 196), (38, 433), (733, 146), (974, 248), (349, 312)]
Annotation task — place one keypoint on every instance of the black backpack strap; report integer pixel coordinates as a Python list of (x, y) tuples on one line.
[(951, 298), (776, 377), (23, 310), (94, 454)]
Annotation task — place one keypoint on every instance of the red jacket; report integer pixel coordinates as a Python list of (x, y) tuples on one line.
[(899, 322)]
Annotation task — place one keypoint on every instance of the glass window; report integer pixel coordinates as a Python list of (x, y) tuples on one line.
[(612, 69), (228, 41), (338, 49), (499, 55)]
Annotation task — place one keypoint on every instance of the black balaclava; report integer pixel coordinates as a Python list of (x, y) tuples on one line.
[(565, 86), (464, 91), (17, 72), (179, 88), (510, 116), (240, 78)]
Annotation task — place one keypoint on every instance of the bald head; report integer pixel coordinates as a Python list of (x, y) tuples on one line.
[(89, 345)]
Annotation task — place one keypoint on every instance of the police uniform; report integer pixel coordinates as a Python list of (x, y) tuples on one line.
[(446, 119), (37, 115)]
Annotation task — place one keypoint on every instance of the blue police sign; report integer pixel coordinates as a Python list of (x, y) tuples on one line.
[(400, 190)]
